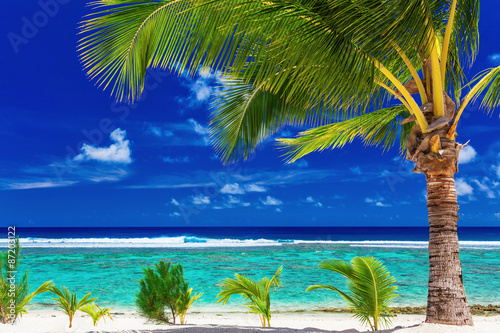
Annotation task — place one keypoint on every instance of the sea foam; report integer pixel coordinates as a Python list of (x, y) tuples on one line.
[(198, 242), (156, 242)]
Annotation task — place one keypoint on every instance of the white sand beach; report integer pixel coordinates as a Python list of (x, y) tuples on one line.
[(218, 322)]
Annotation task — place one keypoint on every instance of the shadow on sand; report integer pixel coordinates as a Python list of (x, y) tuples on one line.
[(243, 329)]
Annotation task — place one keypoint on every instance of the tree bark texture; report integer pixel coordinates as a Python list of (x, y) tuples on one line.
[(436, 156), (446, 300)]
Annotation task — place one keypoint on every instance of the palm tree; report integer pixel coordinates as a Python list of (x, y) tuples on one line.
[(332, 65), (257, 293), (96, 312), (15, 291), (68, 302), (371, 289), (185, 302)]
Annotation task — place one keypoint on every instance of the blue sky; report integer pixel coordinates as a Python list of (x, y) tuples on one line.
[(70, 156)]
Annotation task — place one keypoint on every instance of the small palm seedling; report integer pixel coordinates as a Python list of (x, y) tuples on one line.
[(68, 301), (257, 293), (15, 293), (185, 302), (371, 289), (162, 290), (96, 312)]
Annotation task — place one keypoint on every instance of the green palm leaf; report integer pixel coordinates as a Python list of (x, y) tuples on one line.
[(96, 312), (378, 127), (370, 289), (303, 61), (489, 85), (256, 293), (245, 115), (274, 43), (68, 302)]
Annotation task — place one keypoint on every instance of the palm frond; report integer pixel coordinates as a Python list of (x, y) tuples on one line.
[(378, 127), (240, 285), (330, 287), (46, 286), (96, 312), (489, 85), (371, 289), (68, 301), (256, 293), (328, 46), (464, 43)]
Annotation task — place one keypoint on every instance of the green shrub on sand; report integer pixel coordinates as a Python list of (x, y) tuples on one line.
[(163, 290)]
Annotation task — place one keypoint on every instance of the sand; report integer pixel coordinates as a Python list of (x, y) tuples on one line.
[(220, 322)]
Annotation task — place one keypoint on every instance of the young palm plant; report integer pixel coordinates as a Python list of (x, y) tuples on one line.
[(68, 301), (96, 312), (257, 293), (15, 293), (334, 65), (185, 302), (371, 289)]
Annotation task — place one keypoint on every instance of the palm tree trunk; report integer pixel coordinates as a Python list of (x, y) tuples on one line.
[(446, 302)]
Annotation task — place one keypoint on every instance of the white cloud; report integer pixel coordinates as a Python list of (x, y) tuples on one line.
[(270, 201), (175, 214), (174, 202), (110, 175), (356, 170), (157, 131), (462, 187), (301, 164), (44, 184), (173, 160), (232, 189), (377, 202), (484, 187), (498, 171), (497, 215), (494, 58), (118, 152), (285, 134), (233, 200), (201, 200), (198, 128), (202, 88), (316, 203), (278, 210), (201, 130), (245, 204), (255, 188), (466, 155)]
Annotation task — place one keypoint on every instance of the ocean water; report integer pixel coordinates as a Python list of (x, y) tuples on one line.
[(108, 261)]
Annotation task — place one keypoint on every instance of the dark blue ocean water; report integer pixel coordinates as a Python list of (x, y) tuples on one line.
[(273, 233)]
